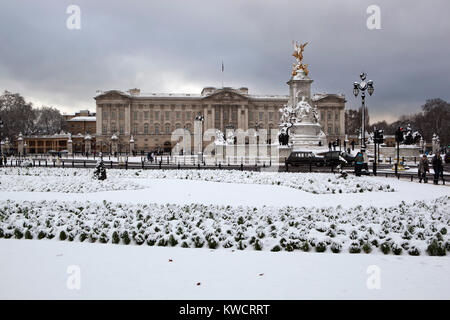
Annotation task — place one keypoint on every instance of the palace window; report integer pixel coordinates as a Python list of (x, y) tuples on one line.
[(121, 115), (156, 115), (234, 115), (113, 115), (167, 115), (121, 130), (329, 115), (250, 115), (336, 115), (336, 130), (156, 129), (145, 114), (270, 116), (178, 115), (322, 115), (105, 115), (135, 115), (135, 130), (167, 128), (188, 115), (330, 130), (146, 128), (105, 129), (261, 116)]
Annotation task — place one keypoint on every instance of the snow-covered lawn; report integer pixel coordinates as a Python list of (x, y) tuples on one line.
[(224, 218), (41, 269), (62, 179)]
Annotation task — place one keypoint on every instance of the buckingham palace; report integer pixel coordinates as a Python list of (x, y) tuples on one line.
[(149, 119)]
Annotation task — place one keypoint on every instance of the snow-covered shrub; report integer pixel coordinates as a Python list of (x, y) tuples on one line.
[(367, 248), (436, 248), (321, 246), (354, 247), (100, 170), (276, 248), (396, 249), (115, 237), (336, 247), (414, 251)]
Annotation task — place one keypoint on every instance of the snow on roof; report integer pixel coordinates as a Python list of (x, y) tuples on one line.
[(83, 118)]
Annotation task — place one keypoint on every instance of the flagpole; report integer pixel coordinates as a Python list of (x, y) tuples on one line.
[(222, 73)]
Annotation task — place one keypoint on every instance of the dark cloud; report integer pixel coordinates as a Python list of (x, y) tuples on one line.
[(162, 46)]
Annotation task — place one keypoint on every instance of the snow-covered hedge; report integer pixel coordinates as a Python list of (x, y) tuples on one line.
[(65, 184), (413, 229), (319, 183)]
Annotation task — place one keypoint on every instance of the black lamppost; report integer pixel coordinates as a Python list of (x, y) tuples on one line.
[(363, 86)]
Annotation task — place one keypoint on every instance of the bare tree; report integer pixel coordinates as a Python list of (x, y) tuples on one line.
[(16, 114)]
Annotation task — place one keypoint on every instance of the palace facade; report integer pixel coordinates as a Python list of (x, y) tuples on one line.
[(150, 119)]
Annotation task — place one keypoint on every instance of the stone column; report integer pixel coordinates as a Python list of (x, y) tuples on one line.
[(131, 144), (198, 134), (70, 145), (20, 144), (114, 143), (87, 143)]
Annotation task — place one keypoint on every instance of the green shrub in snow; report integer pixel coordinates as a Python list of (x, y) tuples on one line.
[(276, 248), (413, 251), (396, 249), (28, 235), (336, 247), (18, 234), (257, 245), (103, 238), (172, 241), (367, 248), (385, 247), (354, 247), (321, 246), (115, 237), (162, 242), (62, 235), (125, 237), (436, 248)]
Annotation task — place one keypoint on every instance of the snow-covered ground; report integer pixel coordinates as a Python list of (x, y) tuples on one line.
[(41, 270), (237, 214)]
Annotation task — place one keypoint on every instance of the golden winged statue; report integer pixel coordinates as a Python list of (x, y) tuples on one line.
[(298, 55)]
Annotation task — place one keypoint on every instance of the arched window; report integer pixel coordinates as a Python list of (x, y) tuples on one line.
[(156, 128), (177, 126), (188, 127), (167, 127), (146, 128)]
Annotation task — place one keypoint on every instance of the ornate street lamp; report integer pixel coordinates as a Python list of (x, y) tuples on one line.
[(363, 86)]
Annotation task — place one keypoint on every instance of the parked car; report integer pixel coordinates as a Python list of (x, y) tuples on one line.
[(304, 157), (332, 158)]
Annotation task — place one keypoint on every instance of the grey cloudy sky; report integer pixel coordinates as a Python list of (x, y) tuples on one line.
[(178, 46)]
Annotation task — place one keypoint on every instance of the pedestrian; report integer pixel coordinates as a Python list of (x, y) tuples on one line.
[(359, 161), (353, 145), (438, 168), (423, 169), (329, 145)]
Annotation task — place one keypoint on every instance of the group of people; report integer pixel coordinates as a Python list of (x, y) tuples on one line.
[(361, 163), (438, 168)]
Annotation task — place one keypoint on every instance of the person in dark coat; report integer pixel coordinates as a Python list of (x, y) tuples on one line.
[(438, 168), (423, 169), (359, 162)]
